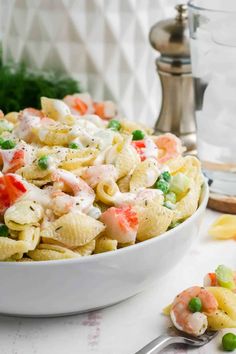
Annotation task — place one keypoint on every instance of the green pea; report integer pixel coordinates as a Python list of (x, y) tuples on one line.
[(138, 135), (8, 144), (43, 162), (73, 146), (166, 176), (229, 342), (195, 305), (162, 185), (3, 230), (114, 125)]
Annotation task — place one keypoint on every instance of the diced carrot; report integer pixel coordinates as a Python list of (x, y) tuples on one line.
[(80, 106)]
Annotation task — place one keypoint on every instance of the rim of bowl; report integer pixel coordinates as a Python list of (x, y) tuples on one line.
[(203, 202), (201, 8)]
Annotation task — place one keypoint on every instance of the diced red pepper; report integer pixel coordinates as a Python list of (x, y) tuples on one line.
[(11, 189), (140, 145)]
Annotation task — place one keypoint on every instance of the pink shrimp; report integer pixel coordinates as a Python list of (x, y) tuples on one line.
[(121, 224), (95, 174), (1, 114), (169, 147), (105, 110), (80, 103), (187, 321), (12, 160), (29, 118), (82, 198)]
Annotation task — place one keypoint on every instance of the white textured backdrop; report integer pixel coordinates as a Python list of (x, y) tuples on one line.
[(102, 43)]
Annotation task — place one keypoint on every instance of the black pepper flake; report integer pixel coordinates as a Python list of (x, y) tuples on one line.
[(58, 228), (146, 202), (32, 208)]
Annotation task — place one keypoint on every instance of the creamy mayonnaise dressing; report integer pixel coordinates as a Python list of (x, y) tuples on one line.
[(150, 150)]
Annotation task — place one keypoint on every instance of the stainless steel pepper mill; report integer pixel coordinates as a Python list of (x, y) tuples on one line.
[(171, 38)]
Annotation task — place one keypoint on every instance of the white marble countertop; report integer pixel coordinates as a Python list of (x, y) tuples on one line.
[(126, 327)]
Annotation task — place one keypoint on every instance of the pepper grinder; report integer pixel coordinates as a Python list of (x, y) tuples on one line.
[(171, 38)]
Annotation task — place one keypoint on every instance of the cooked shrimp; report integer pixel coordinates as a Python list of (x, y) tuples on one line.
[(79, 103), (12, 160), (187, 321), (82, 198), (169, 147), (105, 110), (121, 224), (95, 174), (29, 118)]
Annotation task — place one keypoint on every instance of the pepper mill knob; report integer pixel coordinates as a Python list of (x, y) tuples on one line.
[(171, 39)]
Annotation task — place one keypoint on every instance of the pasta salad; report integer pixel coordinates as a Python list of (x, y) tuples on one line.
[(76, 180)]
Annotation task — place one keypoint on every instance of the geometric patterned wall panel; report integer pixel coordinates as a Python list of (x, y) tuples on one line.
[(102, 43)]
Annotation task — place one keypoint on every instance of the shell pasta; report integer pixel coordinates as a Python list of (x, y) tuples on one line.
[(76, 180)]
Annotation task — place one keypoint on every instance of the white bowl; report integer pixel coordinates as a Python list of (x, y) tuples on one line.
[(53, 288)]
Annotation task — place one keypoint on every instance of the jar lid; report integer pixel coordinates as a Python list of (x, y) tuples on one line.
[(171, 37)]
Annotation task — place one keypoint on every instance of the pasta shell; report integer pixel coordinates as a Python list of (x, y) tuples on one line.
[(191, 167), (129, 126), (175, 164), (87, 249), (106, 191), (46, 252), (126, 244), (40, 182), (23, 214), (105, 244), (123, 156), (126, 161), (225, 316), (73, 229), (55, 109), (76, 159), (31, 235), (9, 247), (144, 175), (153, 220), (12, 117), (32, 172), (25, 259), (226, 300), (224, 227), (123, 183), (54, 135), (189, 203)]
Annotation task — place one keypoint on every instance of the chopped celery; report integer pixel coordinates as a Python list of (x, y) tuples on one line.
[(170, 197), (169, 205), (225, 277), (179, 183)]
